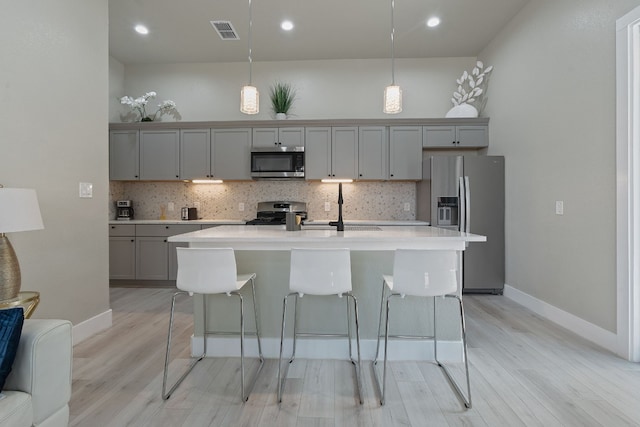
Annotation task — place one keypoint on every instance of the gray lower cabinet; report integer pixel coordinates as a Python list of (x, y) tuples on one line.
[(462, 136), (145, 253), (405, 153), (122, 251)]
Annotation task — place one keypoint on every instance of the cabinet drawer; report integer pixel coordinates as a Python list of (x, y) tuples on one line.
[(122, 230), (165, 230)]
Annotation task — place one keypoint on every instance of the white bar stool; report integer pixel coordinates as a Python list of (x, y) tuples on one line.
[(422, 273), (319, 272), (209, 271)]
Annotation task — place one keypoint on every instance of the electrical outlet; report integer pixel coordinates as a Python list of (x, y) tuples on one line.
[(559, 207), (196, 205), (241, 207), (327, 206), (86, 190), (407, 207), (171, 207)]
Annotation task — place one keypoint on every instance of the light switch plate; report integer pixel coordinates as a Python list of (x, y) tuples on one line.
[(327, 206), (559, 207), (86, 190)]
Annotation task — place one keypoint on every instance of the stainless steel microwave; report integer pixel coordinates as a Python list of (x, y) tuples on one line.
[(277, 162)]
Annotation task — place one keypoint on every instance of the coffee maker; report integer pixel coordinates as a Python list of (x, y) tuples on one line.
[(124, 210)]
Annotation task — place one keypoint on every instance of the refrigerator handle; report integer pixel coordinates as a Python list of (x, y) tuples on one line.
[(467, 212), (462, 209)]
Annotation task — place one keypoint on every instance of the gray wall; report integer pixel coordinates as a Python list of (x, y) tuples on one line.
[(53, 116), (552, 109)]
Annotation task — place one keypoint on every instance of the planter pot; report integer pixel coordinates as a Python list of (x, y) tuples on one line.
[(462, 110), (281, 116)]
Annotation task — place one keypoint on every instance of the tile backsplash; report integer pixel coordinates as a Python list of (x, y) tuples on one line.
[(362, 200)]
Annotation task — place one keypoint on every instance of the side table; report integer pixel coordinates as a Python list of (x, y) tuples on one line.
[(28, 300)]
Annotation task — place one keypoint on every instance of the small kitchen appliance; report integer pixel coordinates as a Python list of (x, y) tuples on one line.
[(277, 163), (188, 214), (124, 210), (275, 213)]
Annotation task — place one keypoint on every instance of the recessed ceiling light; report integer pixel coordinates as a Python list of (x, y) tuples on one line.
[(433, 22), (287, 25), (141, 29)]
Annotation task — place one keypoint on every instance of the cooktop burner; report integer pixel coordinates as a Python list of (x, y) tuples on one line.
[(275, 213)]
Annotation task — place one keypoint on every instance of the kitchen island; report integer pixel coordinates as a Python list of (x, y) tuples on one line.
[(265, 251)]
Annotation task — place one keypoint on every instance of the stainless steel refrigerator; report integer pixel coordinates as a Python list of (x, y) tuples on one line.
[(466, 193)]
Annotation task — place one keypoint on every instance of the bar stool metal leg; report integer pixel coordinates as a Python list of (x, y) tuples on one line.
[(166, 394), (357, 364), (466, 400)]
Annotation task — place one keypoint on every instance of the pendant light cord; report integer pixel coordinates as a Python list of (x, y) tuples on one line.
[(393, 77), (250, 38)]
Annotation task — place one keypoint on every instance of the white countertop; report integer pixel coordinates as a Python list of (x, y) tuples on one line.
[(177, 221), (378, 222), (261, 237)]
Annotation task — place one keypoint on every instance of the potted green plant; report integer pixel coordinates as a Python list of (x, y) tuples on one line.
[(282, 96)]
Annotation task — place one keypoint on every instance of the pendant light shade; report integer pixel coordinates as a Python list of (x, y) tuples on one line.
[(249, 100), (392, 93), (392, 99), (249, 96)]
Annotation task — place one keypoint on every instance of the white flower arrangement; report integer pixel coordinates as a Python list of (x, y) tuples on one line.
[(472, 86), (139, 105)]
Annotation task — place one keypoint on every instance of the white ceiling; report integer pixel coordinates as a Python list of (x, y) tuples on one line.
[(324, 29)]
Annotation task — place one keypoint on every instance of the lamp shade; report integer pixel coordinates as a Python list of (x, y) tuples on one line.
[(249, 100), (19, 210), (392, 99)]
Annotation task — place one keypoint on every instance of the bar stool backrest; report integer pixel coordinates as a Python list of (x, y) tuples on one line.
[(424, 273), (206, 270), (320, 271)]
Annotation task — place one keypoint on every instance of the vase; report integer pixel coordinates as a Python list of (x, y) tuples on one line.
[(462, 110), (281, 116)]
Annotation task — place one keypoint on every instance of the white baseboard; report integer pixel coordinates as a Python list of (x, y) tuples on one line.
[(310, 348), (586, 330), (89, 327)]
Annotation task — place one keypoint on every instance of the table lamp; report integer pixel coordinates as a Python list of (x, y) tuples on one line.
[(19, 211)]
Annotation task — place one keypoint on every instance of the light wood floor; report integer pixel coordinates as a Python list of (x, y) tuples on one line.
[(524, 371)]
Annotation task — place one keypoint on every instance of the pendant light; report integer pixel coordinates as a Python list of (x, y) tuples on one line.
[(249, 96), (392, 93)]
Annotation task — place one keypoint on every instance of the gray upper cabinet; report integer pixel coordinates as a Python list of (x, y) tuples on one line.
[(195, 153), (124, 155), (278, 137), (231, 154), (463, 136), (373, 153), (405, 153), (331, 152), (160, 154)]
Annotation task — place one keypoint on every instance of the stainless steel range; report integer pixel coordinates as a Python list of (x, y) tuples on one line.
[(274, 213)]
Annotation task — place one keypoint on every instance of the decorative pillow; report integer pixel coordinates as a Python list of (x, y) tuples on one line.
[(11, 321)]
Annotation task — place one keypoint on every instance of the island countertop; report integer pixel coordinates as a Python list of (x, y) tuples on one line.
[(365, 238)]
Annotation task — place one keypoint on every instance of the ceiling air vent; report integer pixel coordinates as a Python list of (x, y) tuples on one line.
[(225, 30)]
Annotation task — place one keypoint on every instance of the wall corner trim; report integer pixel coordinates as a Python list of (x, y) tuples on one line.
[(92, 326)]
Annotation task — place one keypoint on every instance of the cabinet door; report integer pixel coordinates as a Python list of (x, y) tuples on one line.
[(265, 137), (473, 136), (159, 154), (231, 152), (317, 153), (122, 257), (152, 258), (439, 136), (195, 153), (291, 137), (405, 153), (124, 155), (373, 153), (344, 152)]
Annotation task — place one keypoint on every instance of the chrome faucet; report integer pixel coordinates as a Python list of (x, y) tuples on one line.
[(339, 224)]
